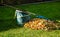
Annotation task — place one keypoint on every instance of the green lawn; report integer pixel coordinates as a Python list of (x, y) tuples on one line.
[(9, 28)]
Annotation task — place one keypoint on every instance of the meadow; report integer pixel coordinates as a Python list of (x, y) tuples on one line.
[(9, 27)]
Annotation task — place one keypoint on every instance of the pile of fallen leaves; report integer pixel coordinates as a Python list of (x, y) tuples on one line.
[(43, 24)]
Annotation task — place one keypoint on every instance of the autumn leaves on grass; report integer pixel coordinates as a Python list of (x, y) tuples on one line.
[(42, 24)]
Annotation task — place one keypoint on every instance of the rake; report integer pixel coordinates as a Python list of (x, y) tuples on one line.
[(30, 13)]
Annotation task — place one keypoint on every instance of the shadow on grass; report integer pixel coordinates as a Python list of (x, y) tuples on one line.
[(8, 24)]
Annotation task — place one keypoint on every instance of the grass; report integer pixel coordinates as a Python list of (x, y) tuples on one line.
[(45, 9), (9, 28)]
